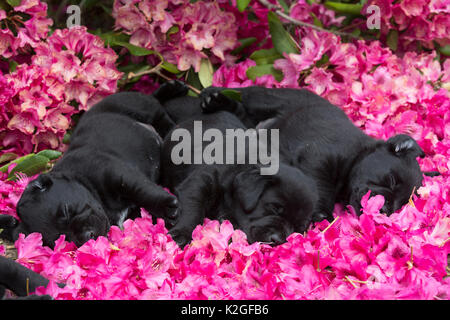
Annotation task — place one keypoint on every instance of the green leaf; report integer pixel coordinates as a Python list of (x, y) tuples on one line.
[(232, 94), (50, 154), (66, 138), (356, 32), (242, 4), (30, 166), (109, 38), (245, 42), (13, 3), (445, 50), (265, 56), (347, 8), (18, 160), (284, 5), (392, 39), (13, 65), (170, 67), (135, 68), (281, 39), (192, 79), (258, 71), (192, 94), (9, 156), (322, 60), (173, 29), (205, 74), (120, 39), (135, 50), (89, 4), (105, 8), (317, 21)]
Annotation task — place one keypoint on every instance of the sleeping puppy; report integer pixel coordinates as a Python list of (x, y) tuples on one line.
[(266, 207), (20, 280), (319, 139), (110, 170), (177, 104)]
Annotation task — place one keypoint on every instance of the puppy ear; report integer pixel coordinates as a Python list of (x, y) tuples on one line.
[(42, 183), (404, 145), (248, 186)]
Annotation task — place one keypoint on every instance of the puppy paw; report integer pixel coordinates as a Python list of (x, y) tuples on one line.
[(7, 221), (180, 236), (216, 102), (170, 90), (33, 297), (172, 211)]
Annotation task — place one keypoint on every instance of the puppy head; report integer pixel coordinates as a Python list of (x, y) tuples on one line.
[(390, 170), (54, 206), (270, 208)]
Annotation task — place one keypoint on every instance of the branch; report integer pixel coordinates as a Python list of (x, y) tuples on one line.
[(157, 70), (283, 15)]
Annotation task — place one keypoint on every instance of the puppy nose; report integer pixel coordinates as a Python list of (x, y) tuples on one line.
[(276, 238), (89, 234), (386, 209)]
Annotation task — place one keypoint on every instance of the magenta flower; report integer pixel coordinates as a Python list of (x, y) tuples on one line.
[(30, 21), (81, 62), (233, 76), (72, 66), (200, 27), (423, 21), (366, 256)]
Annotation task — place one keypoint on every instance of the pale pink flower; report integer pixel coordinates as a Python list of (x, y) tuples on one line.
[(31, 23)]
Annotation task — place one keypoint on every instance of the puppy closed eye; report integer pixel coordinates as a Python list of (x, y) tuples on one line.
[(390, 181), (63, 215), (275, 208)]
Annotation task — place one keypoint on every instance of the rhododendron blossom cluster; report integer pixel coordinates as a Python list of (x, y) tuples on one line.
[(357, 256), (370, 257), (23, 27), (194, 28), (10, 192), (66, 72), (418, 20)]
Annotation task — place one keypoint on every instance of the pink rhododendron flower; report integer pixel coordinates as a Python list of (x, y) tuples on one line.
[(198, 27), (364, 256), (30, 22), (369, 257), (305, 12), (10, 193), (234, 76), (420, 20), (82, 63), (71, 66)]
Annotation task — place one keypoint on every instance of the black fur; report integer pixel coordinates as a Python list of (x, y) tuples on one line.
[(20, 280), (319, 139), (109, 171), (266, 208)]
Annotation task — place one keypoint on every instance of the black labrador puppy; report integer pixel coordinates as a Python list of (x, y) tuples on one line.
[(20, 280), (266, 207), (319, 139), (110, 170)]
